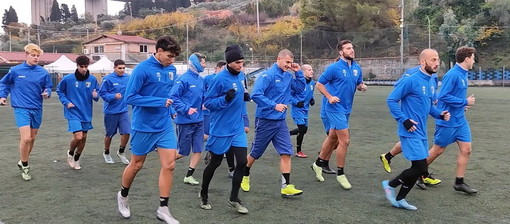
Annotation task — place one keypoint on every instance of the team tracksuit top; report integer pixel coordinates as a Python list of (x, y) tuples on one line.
[(147, 90), (343, 79), (26, 83), (71, 90), (433, 79), (207, 82), (113, 84), (227, 118), (304, 95), (452, 96), (415, 97), (188, 92), (274, 87)]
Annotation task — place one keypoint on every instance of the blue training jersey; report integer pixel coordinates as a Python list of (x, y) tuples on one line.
[(147, 91), (412, 99), (188, 92), (207, 82), (452, 96), (26, 83), (343, 80), (304, 95), (227, 118), (111, 85), (433, 80), (71, 90), (274, 87)]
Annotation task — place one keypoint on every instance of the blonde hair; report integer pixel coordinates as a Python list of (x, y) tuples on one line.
[(31, 48)]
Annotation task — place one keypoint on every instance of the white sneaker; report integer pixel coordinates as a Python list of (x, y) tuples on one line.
[(108, 158), (190, 180), (70, 160), (163, 214), (123, 158), (122, 203), (77, 165)]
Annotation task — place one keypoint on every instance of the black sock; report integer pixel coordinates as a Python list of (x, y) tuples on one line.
[(77, 156), (121, 149), (459, 180), (163, 201), (247, 171), (71, 152), (190, 171), (326, 163), (124, 191), (340, 171), (24, 163), (320, 162), (106, 151), (286, 176), (388, 156)]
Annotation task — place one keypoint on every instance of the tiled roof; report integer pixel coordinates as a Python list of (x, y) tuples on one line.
[(124, 38), (46, 58)]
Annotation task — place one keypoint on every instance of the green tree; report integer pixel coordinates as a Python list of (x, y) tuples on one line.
[(55, 15), (457, 34), (10, 16), (66, 14), (74, 14)]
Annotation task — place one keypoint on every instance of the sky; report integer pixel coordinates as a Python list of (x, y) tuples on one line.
[(23, 8)]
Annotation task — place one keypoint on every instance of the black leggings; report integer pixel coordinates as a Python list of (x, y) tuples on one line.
[(300, 132), (240, 156), (409, 177)]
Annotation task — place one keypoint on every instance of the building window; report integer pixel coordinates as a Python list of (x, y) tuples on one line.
[(143, 49), (98, 49)]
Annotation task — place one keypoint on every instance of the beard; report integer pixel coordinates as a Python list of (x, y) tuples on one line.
[(348, 57), (430, 70)]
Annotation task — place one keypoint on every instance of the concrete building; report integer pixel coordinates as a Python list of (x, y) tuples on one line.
[(42, 8), (131, 49)]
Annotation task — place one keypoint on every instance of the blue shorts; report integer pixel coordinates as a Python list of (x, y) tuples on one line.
[(25, 117), (221, 145), (414, 148), (76, 126), (190, 136), (325, 123), (300, 121), (144, 142), (207, 124), (120, 121), (447, 135), (338, 121), (275, 131)]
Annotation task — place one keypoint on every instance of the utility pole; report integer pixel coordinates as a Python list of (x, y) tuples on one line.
[(301, 48), (28, 35), (38, 37), (428, 19), (10, 40), (402, 35), (187, 40), (258, 19)]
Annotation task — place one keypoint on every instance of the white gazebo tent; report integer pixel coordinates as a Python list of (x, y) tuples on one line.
[(103, 66), (61, 65)]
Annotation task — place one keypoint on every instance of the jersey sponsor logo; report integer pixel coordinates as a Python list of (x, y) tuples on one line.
[(463, 82), (159, 76), (171, 75), (344, 72), (424, 90), (87, 84), (311, 87), (432, 89), (76, 84), (277, 80), (21, 76), (116, 84), (192, 86), (234, 86), (355, 72)]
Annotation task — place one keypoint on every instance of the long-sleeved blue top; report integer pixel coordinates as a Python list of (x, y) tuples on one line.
[(412, 99), (113, 84), (207, 82), (433, 79), (147, 91), (26, 83), (304, 95), (227, 118), (343, 79), (274, 87), (452, 96), (70, 90), (188, 92)]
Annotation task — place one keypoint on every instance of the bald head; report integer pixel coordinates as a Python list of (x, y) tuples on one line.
[(429, 61), (285, 59), (307, 70), (285, 53)]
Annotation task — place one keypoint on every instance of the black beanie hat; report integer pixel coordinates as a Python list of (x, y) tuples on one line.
[(233, 53)]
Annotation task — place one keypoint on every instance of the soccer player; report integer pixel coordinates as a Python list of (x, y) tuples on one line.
[(452, 98), (28, 84), (344, 78), (271, 93), (188, 96), (410, 103), (115, 110), (225, 98), (301, 102), (77, 92), (220, 65), (148, 91), (397, 149)]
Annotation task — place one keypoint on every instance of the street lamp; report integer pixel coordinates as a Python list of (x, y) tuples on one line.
[(251, 49)]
